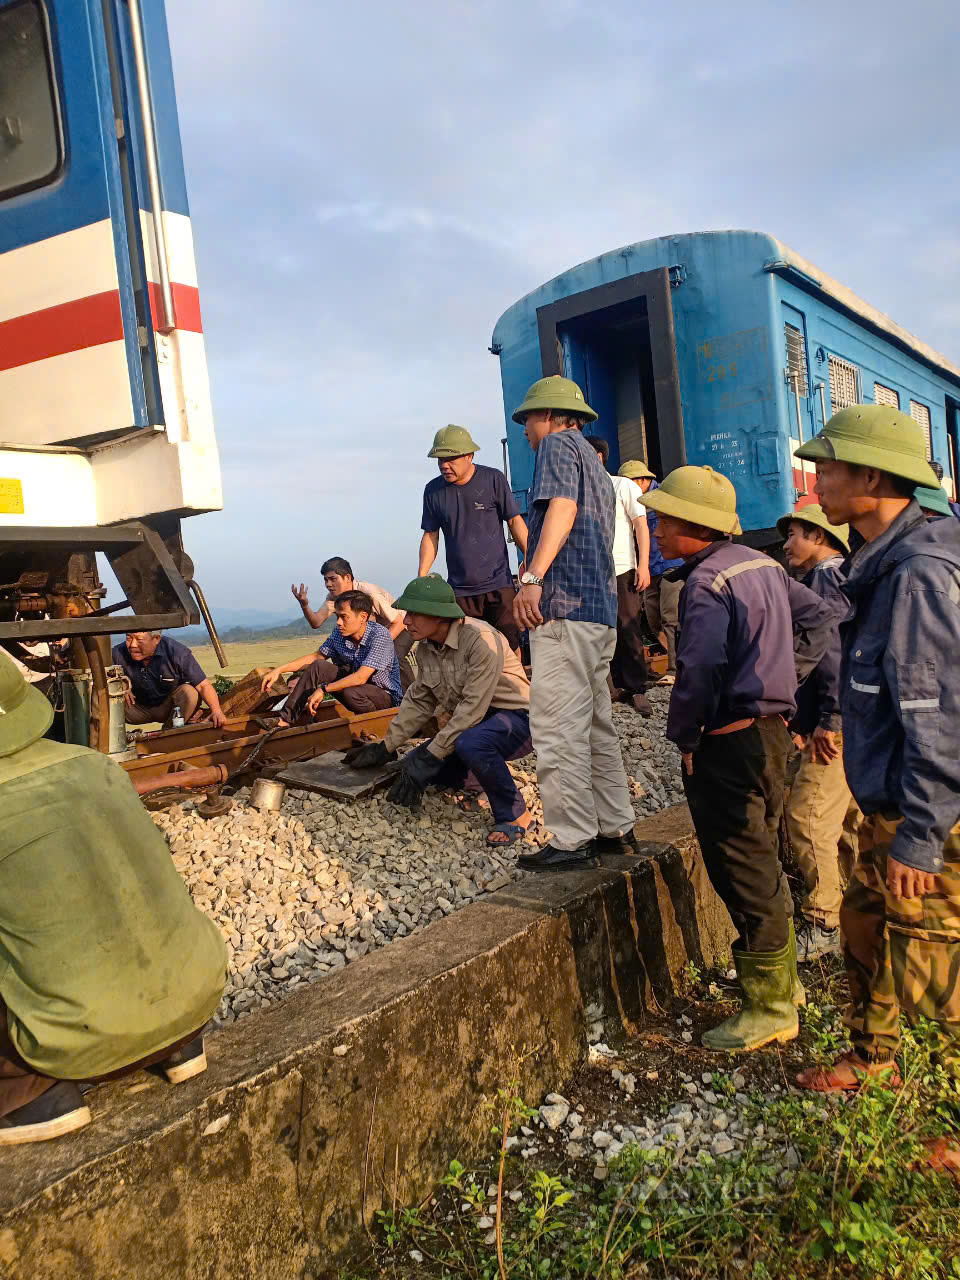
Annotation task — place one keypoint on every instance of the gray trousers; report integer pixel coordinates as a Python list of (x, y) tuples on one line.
[(583, 784)]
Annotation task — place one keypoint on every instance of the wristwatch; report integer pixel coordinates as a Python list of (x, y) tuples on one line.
[(530, 580)]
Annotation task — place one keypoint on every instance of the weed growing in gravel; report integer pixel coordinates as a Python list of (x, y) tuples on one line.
[(851, 1197)]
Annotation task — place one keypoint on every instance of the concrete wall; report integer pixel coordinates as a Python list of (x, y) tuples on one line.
[(357, 1092)]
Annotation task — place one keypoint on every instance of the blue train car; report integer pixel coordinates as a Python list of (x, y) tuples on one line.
[(722, 348), (106, 427)]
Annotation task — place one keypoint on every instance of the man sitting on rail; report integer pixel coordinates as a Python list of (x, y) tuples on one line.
[(107, 964), (338, 578), (356, 664), (163, 674), (473, 682)]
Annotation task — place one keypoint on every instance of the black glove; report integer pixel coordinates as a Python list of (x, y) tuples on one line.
[(422, 767), (369, 756), (405, 792)]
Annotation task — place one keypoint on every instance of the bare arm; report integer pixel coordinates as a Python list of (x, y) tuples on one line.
[(557, 523), (561, 513), (396, 626), (295, 664), (429, 546), (518, 528), (209, 694), (642, 533), (316, 617)]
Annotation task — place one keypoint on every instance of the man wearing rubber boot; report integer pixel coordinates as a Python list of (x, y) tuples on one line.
[(746, 631), (900, 701), (107, 966), (474, 684), (822, 818), (568, 601)]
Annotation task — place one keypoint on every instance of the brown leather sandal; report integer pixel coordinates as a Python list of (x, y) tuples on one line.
[(848, 1074)]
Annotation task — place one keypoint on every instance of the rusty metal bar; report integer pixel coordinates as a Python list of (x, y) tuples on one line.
[(99, 696), (184, 779)]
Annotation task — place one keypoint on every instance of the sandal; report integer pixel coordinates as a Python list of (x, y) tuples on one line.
[(470, 803), (848, 1074), (512, 830)]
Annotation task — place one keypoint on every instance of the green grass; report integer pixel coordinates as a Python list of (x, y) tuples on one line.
[(856, 1204), (242, 658)]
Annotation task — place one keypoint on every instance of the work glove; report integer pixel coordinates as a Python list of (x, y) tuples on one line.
[(405, 792), (417, 771), (369, 756)]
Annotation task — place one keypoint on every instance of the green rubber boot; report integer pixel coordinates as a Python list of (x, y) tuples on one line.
[(768, 1012), (799, 991)]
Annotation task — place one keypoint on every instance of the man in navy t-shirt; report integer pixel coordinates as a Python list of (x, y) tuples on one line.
[(163, 675), (469, 504)]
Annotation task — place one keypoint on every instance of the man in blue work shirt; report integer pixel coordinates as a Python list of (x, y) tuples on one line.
[(356, 664), (746, 632), (469, 504), (163, 675), (900, 701), (568, 601)]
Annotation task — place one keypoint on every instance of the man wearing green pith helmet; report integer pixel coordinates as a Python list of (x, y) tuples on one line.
[(568, 602), (900, 706), (747, 632), (469, 504)]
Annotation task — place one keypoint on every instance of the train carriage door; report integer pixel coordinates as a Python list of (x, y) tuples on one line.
[(617, 340), (70, 364), (952, 473), (796, 373)]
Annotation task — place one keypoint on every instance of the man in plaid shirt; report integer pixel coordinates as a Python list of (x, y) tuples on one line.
[(568, 601), (356, 664)]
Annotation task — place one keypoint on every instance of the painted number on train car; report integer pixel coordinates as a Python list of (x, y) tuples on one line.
[(11, 496)]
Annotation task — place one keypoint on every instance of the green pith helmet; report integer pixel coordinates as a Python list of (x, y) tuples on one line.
[(636, 470), (556, 393), (874, 435), (452, 441), (429, 595), (934, 500), (813, 514), (25, 714), (698, 494)]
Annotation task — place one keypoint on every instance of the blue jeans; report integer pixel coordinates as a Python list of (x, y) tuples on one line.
[(484, 751)]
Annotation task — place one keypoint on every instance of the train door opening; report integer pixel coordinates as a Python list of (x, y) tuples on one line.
[(953, 446), (617, 341)]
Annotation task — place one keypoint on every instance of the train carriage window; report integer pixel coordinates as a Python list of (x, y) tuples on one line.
[(31, 150), (796, 358), (886, 395), (844, 384), (920, 413)]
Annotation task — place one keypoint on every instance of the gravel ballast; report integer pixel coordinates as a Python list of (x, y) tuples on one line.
[(300, 893)]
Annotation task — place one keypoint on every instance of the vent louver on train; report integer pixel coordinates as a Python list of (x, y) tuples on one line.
[(844, 384), (796, 359), (920, 413)]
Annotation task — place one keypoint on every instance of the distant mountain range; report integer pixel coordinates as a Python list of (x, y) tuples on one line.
[(256, 627)]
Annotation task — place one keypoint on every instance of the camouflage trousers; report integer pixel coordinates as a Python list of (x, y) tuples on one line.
[(901, 954)]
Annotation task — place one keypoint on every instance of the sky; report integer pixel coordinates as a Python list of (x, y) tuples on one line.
[(372, 185)]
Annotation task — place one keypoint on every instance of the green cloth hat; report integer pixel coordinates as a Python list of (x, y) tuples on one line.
[(25, 714), (556, 393), (431, 596), (813, 514), (636, 470), (874, 435), (933, 500), (698, 494), (452, 441)]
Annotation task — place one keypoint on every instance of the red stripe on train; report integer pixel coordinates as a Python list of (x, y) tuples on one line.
[(86, 322)]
